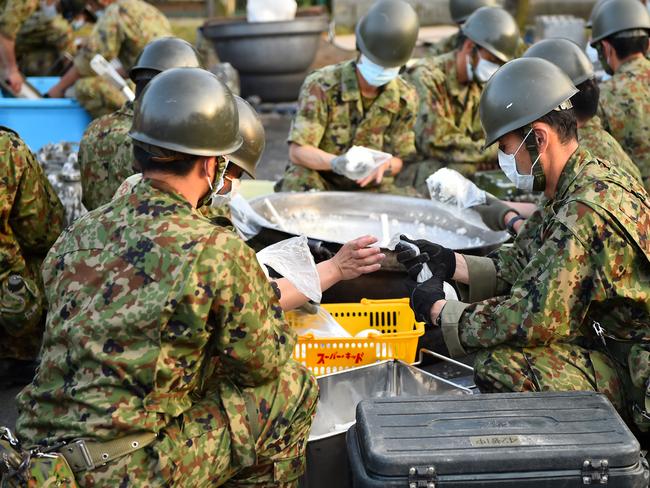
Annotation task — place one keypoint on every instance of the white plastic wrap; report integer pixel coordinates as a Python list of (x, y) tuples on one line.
[(362, 162), (293, 260), (247, 221), (450, 187), (321, 325), (270, 10)]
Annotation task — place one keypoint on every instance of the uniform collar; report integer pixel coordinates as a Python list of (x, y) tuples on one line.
[(456, 89), (573, 168), (160, 187), (634, 65), (592, 124), (388, 97)]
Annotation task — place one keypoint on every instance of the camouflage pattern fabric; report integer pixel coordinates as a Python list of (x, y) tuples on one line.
[(448, 129), (584, 258), (160, 321), (106, 156), (31, 219), (42, 44), (331, 117), (443, 46), (13, 14), (602, 145), (126, 27), (625, 111)]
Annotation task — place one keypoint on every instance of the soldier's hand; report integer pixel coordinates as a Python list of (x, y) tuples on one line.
[(355, 258), (55, 92), (440, 260), (339, 164), (422, 297), (392, 166), (494, 212), (15, 80)]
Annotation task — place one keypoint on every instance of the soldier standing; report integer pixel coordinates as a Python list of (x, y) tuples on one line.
[(448, 130), (620, 34), (105, 151), (357, 103), (32, 219), (538, 313), (166, 349), (123, 29)]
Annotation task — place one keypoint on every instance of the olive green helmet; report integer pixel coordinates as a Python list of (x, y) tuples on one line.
[(565, 54), (387, 33), (617, 16), (594, 10), (495, 30), (252, 132), (461, 9), (521, 92), (187, 110), (162, 54)]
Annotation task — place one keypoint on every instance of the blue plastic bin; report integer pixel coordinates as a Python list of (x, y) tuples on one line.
[(40, 122)]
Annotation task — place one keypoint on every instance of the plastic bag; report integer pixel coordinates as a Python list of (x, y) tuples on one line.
[(450, 187), (270, 11), (293, 260), (321, 324), (425, 273), (247, 221), (362, 162)]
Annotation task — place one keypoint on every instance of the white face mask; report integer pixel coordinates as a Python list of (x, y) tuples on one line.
[(508, 164), (484, 69), (49, 11), (374, 74)]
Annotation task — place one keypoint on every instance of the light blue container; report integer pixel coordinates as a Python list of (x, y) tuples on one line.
[(40, 122)]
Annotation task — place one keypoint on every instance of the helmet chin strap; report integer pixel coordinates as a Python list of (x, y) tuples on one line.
[(539, 178)]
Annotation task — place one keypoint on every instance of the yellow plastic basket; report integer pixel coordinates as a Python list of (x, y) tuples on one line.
[(393, 318)]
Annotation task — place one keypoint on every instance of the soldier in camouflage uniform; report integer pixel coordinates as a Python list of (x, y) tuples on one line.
[(163, 332), (32, 219), (448, 131), (357, 103), (36, 42), (123, 30), (105, 151), (535, 311), (620, 34), (459, 10)]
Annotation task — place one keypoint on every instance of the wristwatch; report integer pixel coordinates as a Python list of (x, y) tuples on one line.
[(510, 226)]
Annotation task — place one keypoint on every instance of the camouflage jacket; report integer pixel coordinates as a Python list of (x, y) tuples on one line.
[(587, 259), (625, 111), (602, 145), (13, 14), (331, 116), (42, 43), (32, 219), (443, 46), (126, 27), (448, 127), (106, 156), (149, 304)]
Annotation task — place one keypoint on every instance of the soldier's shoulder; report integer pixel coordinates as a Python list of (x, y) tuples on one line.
[(407, 92), (431, 68), (326, 78), (10, 142)]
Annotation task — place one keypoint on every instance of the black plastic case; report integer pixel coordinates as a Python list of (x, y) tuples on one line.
[(502, 440)]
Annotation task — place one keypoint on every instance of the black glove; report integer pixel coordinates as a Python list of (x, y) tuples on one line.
[(440, 260), (423, 296), (493, 212)]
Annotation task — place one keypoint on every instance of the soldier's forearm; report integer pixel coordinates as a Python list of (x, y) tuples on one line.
[(8, 53), (310, 157)]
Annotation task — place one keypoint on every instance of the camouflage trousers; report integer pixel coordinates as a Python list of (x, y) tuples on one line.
[(98, 96), (44, 46), (257, 444), (21, 321), (299, 178), (555, 367)]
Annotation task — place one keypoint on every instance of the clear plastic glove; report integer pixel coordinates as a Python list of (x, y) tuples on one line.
[(450, 187), (358, 163), (356, 258), (493, 212), (339, 163)]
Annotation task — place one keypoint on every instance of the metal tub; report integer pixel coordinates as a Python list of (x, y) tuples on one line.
[(330, 219), (327, 460)]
